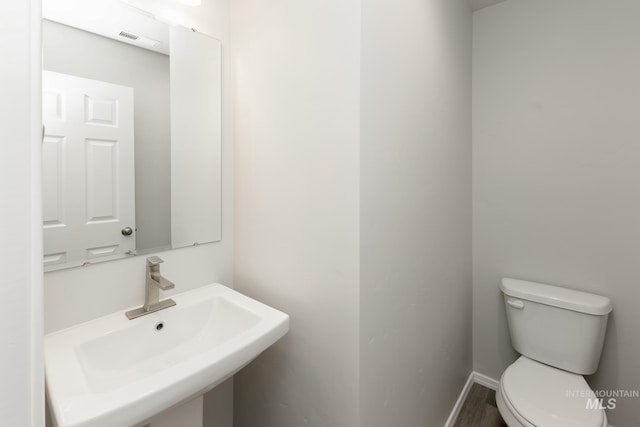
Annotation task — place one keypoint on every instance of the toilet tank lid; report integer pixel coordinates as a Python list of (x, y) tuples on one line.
[(555, 296)]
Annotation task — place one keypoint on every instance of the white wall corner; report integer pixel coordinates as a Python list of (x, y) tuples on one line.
[(474, 378), (458, 405), (22, 389)]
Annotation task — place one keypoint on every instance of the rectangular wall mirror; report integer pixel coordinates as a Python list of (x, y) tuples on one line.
[(132, 144)]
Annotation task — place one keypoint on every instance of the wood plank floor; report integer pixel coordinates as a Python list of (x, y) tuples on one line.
[(480, 409)]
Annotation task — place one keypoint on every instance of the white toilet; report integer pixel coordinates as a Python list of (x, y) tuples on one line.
[(559, 333)]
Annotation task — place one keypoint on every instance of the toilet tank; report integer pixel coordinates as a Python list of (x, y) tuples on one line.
[(560, 327)]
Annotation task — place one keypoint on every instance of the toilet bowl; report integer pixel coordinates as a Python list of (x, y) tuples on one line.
[(532, 394), (559, 333)]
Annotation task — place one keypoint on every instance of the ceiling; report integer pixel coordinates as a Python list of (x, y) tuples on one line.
[(479, 4)]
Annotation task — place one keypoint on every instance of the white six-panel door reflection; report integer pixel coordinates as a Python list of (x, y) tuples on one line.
[(88, 170)]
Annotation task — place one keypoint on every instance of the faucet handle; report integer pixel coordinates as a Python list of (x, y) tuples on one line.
[(153, 261)]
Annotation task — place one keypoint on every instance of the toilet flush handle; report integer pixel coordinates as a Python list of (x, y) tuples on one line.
[(515, 303)]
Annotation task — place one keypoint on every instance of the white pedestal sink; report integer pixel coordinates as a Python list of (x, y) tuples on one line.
[(116, 372)]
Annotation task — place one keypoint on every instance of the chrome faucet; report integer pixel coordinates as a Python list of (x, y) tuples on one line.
[(153, 283)]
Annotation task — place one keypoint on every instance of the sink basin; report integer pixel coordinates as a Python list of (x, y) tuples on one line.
[(113, 371)]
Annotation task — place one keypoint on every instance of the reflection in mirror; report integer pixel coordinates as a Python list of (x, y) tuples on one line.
[(131, 155)]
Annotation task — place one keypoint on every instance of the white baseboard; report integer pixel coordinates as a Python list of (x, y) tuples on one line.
[(484, 380), (458, 406), (474, 377)]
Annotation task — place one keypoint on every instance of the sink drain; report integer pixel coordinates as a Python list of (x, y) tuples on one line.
[(159, 326)]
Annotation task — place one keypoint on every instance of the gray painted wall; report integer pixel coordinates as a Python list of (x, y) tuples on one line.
[(480, 4), (80, 53), (557, 170), (296, 72), (373, 265), (415, 289)]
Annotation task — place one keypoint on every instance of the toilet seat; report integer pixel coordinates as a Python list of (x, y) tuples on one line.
[(538, 395)]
